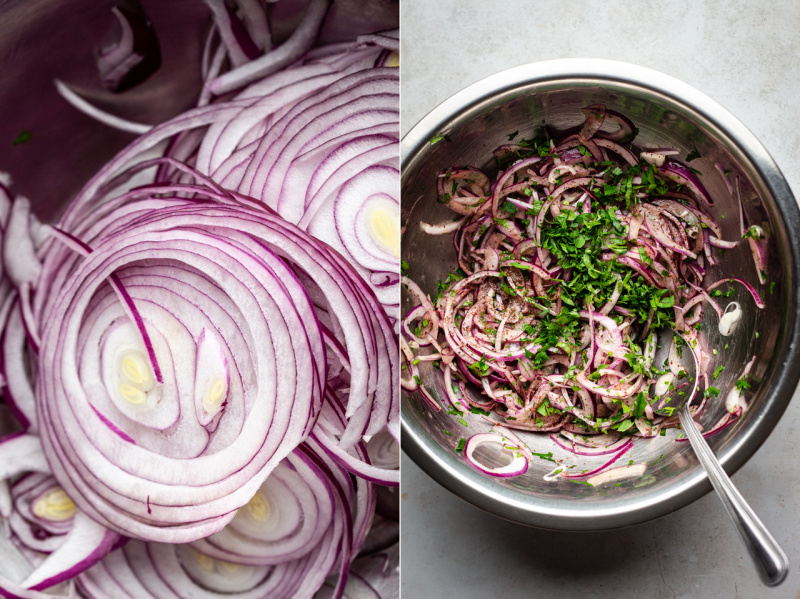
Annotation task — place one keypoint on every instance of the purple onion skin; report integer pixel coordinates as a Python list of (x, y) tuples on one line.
[(681, 171)]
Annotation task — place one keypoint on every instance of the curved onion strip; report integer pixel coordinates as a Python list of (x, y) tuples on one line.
[(85, 544), (300, 41), (517, 466)]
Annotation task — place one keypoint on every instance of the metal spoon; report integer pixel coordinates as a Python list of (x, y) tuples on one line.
[(769, 558)]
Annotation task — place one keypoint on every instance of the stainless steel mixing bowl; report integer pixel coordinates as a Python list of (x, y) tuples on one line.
[(667, 113)]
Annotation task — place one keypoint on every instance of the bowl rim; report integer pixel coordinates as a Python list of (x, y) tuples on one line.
[(783, 378)]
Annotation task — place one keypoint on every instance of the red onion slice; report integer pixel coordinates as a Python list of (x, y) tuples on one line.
[(300, 41), (134, 57), (516, 466), (84, 545)]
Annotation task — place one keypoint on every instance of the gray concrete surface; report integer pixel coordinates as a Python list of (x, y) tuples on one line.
[(744, 55)]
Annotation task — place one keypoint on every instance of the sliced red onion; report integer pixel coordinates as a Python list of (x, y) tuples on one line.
[(207, 568), (384, 452), (625, 126), (734, 401), (286, 519), (625, 447), (409, 379), (212, 378), (195, 344), (622, 151), (423, 301), (238, 44), (517, 465), (300, 41), (332, 139), (21, 453), (42, 506), (84, 106), (251, 456), (372, 576), (730, 319), (442, 229), (84, 545), (758, 253), (16, 364), (429, 399), (603, 440), (721, 243), (39, 502), (327, 434), (416, 314), (753, 291), (21, 265), (134, 57), (600, 450), (681, 174), (595, 115), (630, 471), (653, 158)]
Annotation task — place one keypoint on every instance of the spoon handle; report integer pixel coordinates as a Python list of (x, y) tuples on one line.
[(769, 558)]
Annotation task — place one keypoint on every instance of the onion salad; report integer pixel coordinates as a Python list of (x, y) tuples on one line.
[(200, 356), (569, 260)]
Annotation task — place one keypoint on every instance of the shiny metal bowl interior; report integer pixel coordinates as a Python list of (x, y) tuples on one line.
[(667, 113)]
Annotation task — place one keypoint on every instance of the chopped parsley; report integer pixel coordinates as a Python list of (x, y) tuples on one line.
[(624, 425), (481, 368), (545, 456), (22, 137), (752, 232), (508, 207), (742, 384), (694, 154)]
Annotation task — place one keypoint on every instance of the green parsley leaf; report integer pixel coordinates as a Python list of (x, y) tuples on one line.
[(693, 155), (545, 456), (752, 232), (22, 137), (742, 384), (624, 425), (475, 410), (508, 207)]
